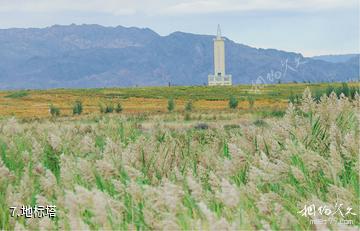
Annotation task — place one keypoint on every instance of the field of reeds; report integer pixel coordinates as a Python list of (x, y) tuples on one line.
[(219, 170)]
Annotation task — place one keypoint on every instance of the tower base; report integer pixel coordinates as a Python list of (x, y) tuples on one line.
[(216, 80)]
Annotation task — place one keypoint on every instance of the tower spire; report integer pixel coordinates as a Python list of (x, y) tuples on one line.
[(218, 36)]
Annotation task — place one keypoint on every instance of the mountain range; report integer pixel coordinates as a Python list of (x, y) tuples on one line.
[(336, 58), (82, 56)]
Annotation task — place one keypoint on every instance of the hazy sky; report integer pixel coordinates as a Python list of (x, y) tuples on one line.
[(311, 27)]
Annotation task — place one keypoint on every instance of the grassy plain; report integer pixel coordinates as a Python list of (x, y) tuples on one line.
[(35, 103)]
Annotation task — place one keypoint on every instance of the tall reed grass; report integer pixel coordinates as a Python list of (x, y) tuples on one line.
[(113, 173)]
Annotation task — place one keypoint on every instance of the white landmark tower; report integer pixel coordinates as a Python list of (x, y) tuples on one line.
[(219, 77)]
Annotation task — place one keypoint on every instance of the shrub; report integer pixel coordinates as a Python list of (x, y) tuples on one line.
[(317, 95), (353, 91), (201, 126), (187, 117), (16, 95), (294, 99), (77, 108), (106, 108), (54, 111), (348, 91), (171, 104), (118, 108), (188, 106), (233, 102), (272, 113), (251, 101), (231, 126), (102, 108), (277, 113), (345, 89), (260, 123), (109, 108), (329, 89)]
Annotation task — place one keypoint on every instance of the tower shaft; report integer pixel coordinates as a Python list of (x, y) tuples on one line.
[(219, 57)]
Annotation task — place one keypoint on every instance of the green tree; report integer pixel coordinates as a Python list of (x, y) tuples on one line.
[(77, 108), (233, 102), (109, 108)]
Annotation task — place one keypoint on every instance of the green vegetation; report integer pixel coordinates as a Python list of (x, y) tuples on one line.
[(17, 94), (282, 91), (151, 99), (233, 102), (118, 108), (188, 106), (171, 105), (344, 89), (187, 116), (54, 111), (251, 101), (77, 108), (108, 108), (271, 113), (295, 99), (260, 123)]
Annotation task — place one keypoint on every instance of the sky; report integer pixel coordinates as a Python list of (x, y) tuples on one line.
[(310, 27)]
